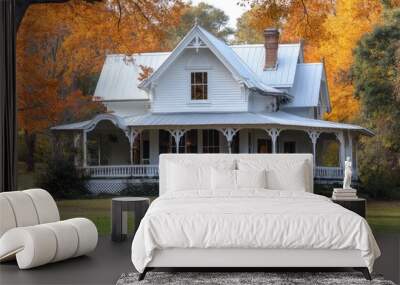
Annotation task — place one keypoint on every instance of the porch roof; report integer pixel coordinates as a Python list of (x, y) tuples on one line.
[(238, 120)]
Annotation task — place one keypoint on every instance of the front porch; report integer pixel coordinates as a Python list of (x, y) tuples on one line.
[(126, 149)]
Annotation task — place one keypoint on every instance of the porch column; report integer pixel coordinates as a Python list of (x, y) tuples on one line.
[(133, 134), (77, 136), (273, 133), (99, 150), (314, 135), (84, 148), (177, 134), (342, 154), (229, 133), (350, 139)]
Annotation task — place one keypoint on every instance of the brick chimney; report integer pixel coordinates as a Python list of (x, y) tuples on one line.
[(271, 43)]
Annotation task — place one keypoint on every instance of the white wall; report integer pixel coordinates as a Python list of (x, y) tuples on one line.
[(260, 103), (172, 92), (307, 112), (128, 107)]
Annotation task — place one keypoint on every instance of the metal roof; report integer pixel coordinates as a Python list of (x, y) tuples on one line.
[(119, 76), (223, 52), (288, 57), (306, 86), (239, 119), (71, 127), (252, 79)]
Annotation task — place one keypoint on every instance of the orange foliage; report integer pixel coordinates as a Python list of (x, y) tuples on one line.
[(59, 43), (353, 19), (331, 30)]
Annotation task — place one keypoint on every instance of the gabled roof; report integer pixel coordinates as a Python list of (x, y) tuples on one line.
[(288, 57), (119, 76), (307, 85), (223, 52)]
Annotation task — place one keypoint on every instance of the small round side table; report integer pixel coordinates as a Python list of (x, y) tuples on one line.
[(119, 214)]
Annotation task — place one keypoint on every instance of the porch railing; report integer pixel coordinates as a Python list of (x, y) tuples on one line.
[(331, 172), (108, 171), (144, 170)]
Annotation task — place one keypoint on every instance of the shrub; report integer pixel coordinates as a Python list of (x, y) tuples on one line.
[(62, 179), (141, 189)]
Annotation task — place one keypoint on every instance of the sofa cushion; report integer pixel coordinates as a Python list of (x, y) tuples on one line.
[(23, 208), (45, 205), (7, 220)]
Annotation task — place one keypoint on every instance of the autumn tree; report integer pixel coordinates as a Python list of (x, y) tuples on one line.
[(209, 17), (61, 46), (331, 29), (298, 19), (376, 74), (245, 33), (352, 19)]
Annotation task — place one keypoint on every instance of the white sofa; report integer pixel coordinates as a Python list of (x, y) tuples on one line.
[(31, 231)]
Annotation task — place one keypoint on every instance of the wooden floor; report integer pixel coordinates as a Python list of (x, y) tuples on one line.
[(110, 260)]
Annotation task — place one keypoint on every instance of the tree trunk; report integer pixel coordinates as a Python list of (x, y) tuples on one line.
[(30, 142)]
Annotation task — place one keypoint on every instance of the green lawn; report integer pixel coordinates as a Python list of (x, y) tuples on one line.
[(97, 210), (383, 216)]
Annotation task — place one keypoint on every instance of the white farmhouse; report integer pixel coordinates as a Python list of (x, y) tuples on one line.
[(205, 97)]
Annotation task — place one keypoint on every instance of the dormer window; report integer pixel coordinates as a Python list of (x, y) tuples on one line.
[(199, 86)]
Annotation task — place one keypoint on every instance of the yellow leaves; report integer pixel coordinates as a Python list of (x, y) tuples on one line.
[(58, 44), (353, 18), (331, 29)]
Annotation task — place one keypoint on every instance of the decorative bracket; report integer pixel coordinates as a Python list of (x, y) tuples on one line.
[(340, 137), (177, 134), (273, 133), (133, 134), (314, 135), (77, 137), (229, 133)]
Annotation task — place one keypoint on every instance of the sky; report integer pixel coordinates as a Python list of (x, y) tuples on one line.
[(230, 8)]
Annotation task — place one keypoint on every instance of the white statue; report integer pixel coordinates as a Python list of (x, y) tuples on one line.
[(347, 174)]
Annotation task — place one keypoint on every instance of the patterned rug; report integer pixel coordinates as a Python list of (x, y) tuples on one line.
[(243, 278)]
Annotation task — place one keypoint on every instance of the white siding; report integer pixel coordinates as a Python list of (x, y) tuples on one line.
[(307, 112), (125, 108), (260, 103), (172, 92)]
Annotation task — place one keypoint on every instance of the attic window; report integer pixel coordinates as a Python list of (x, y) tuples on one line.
[(199, 86)]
